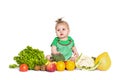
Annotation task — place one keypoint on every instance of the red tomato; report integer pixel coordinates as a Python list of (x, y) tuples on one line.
[(23, 67)]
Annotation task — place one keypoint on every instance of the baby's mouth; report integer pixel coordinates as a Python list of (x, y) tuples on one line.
[(61, 34)]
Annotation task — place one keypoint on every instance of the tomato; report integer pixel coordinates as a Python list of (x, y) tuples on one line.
[(23, 67)]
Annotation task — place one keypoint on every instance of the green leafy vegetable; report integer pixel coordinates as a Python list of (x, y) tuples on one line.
[(31, 57), (57, 57), (13, 66)]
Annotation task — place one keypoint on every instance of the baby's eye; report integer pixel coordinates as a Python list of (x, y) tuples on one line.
[(63, 29), (58, 30)]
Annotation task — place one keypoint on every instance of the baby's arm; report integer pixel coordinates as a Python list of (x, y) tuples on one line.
[(75, 52), (75, 56), (54, 50)]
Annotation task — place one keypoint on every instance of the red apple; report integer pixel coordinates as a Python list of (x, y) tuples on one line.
[(51, 67)]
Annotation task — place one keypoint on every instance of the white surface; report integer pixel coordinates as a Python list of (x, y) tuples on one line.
[(94, 26)]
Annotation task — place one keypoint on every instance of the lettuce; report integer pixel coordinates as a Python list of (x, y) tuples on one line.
[(31, 57)]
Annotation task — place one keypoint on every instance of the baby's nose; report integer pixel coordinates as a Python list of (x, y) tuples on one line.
[(61, 31)]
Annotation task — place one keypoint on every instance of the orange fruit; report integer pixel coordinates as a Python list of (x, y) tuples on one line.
[(60, 66), (105, 61), (70, 65)]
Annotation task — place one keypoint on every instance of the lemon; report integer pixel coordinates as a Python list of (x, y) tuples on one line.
[(60, 66), (105, 61)]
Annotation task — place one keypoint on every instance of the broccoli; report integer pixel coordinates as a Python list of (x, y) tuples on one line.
[(57, 57)]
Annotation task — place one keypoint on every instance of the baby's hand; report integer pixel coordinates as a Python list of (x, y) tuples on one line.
[(76, 54), (72, 59)]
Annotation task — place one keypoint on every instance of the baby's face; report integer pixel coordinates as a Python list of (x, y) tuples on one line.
[(62, 31)]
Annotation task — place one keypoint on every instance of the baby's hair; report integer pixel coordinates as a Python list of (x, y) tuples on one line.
[(60, 21)]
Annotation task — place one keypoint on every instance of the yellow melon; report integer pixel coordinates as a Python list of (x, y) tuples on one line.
[(105, 61)]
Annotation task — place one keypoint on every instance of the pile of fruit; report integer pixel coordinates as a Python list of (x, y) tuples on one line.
[(60, 66), (34, 59)]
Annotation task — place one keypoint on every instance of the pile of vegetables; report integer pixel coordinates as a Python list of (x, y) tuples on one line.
[(31, 57), (34, 59)]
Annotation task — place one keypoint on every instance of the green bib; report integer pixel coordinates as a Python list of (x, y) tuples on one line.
[(64, 47)]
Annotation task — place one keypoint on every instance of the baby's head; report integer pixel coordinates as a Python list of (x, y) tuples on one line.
[(61, 22), (62, 29)]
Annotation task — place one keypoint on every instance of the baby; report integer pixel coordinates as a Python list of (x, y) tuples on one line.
[(63, 43)]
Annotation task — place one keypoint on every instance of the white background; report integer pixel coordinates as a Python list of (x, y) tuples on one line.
[(94, 26)]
